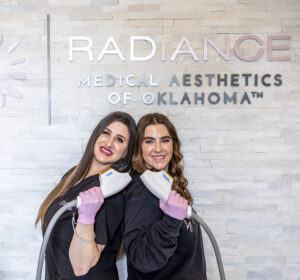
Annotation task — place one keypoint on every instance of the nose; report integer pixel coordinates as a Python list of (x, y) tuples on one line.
[(157, 147), (110, 141)]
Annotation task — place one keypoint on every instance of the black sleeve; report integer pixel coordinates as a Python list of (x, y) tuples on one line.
[(150, 237), (109, 218)]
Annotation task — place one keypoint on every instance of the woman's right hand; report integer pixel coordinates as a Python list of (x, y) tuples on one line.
[(91, 202), (176, 206)]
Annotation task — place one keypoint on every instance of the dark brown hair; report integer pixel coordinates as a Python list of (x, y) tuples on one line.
[(175, 168), (80, 171)]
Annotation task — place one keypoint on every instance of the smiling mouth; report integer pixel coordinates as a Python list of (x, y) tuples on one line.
[(158, 157), (105, 151)]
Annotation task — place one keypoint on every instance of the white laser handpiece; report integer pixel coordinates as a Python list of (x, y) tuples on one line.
[(160, 184), (111, 182)]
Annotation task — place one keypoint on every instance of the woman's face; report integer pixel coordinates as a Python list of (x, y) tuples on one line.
[(157, 146), (111, 145)]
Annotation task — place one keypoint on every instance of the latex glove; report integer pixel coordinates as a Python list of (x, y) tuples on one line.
[(91, 202), (176, 206)]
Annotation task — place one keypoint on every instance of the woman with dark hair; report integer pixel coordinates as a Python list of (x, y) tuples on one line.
[(84, 243), (160, 243)]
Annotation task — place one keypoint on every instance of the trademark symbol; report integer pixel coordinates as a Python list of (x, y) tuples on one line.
[(256, 94)]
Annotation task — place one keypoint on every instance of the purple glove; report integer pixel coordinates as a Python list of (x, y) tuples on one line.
[(91, 202), (176, 206)]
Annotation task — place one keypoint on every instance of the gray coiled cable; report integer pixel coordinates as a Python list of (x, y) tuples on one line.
[(213, 242), (54, 219)]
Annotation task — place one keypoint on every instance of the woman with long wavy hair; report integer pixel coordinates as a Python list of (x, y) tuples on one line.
[(160, 243), (84, 243)]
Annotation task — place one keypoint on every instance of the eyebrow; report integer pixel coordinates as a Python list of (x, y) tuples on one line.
[(152, 138), (119, 135)]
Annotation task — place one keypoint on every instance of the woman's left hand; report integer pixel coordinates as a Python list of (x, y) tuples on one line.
[(176, 206)]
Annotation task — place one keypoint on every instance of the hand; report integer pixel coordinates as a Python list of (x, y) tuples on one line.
[(91, 202), (176, 206)]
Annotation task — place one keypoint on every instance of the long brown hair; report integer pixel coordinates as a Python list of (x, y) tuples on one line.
[(175, 167), (80, 171)]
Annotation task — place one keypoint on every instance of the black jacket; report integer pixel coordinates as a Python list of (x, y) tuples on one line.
[(157, 245)]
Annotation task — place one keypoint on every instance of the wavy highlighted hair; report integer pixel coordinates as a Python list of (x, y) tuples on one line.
[(175, 167)]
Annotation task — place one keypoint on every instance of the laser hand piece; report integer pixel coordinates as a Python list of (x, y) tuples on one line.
[(111, 182), (160, 185)]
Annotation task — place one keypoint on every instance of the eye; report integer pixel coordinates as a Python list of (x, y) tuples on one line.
[(166, 140), (106, 132), (148, 141), (120, 140)]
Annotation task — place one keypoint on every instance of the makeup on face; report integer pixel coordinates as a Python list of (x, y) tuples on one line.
[(111, 145), (157, 146)]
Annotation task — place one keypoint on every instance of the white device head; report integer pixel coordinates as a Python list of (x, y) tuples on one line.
[(160, 184), (111, 182)]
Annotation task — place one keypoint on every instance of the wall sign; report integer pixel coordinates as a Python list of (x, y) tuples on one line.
[(225, 88)]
